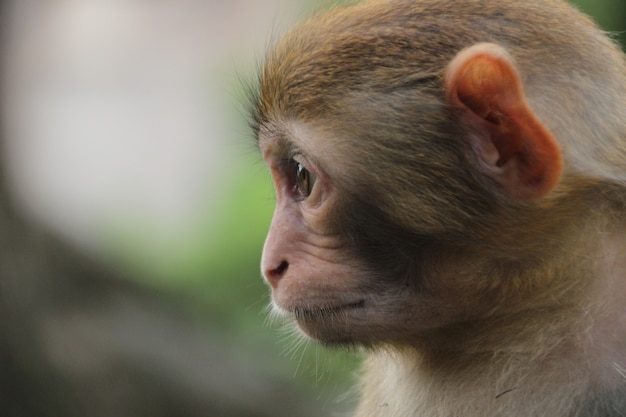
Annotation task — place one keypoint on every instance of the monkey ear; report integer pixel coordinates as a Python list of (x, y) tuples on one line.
[(515, 147)]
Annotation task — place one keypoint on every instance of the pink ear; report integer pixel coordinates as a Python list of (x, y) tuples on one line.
[(517, 149)]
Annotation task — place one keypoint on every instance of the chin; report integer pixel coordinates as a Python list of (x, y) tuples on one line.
[(346, 328), (334, 326)]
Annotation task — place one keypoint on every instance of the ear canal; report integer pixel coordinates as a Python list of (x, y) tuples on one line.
[(517, 149)]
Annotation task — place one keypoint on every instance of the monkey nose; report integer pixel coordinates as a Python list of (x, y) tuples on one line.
[(274, 275)]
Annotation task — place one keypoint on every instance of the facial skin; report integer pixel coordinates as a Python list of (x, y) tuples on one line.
[(306, 261)]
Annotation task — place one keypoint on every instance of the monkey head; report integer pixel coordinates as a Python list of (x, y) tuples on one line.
[(398, 155)]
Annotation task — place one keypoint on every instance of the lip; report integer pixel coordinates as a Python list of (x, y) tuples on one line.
[(325, 311)]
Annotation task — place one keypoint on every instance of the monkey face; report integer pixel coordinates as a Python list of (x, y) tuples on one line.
[(340, 269)]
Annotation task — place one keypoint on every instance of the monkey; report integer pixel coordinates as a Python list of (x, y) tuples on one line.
[(450, 182)]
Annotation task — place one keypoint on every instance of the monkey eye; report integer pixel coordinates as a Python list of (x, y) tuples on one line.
[(304, 180)]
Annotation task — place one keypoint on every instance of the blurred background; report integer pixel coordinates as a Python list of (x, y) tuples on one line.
[(133, 209)]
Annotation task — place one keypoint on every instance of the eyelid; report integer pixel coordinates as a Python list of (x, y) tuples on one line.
[(297, 155)]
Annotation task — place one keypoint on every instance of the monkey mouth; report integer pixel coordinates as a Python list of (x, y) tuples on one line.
[(311, 313), (329, 325)]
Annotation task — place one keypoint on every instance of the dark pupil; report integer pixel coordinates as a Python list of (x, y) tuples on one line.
[(303, 180)]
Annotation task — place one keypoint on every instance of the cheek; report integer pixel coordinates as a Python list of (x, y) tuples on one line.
[(307, 269)]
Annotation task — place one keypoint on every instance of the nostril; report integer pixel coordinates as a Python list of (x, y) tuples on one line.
[(274, 275), (282, 268)]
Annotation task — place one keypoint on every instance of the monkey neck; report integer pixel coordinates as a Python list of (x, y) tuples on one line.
[(539, 355), (559, 356), (570, 318)]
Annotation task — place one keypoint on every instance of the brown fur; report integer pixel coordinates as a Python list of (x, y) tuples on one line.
[(476, 303)]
